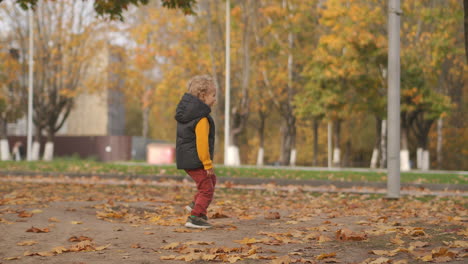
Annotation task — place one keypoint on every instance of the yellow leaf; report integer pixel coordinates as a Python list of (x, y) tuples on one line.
[(12, 258), (208, 257), (27, 243), (60, 249), (233, 259), (171, 245), (171, 257), (36, 211), (76, 222), (282, 260), (46, 254), (427, 258), (325, 255), (323, 239), (102, 247)]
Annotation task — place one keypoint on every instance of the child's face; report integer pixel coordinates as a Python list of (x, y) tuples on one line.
[(210, 97)]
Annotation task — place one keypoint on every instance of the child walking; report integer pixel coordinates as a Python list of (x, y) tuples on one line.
[(195, 145)]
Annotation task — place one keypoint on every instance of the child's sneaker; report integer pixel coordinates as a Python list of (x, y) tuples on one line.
[(197, 222), (190, 207)]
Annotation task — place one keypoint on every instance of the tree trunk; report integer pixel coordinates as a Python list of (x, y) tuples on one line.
[(145, 117), (316, 135), (377, 142), (404, 153), (336, 143), (217, 76), (241, 112), (49, 147), (383, 145), (36, 147), (439, 143), (289, 135), (4, 148), (261, 136)]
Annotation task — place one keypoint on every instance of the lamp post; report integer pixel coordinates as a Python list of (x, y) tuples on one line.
[(30, 84), (228, 83), (393, 108)]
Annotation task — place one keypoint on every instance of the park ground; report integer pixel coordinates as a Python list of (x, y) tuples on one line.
[(92, 220)]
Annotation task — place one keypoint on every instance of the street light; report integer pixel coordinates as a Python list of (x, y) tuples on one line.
[(228, 87), (30, 84)]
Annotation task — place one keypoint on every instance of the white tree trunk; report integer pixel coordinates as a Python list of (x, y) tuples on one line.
[(383, 145), (4, 150), (336, 157), (233, 157), (292, 161), (260, 157), (374, 159), (404, 160), (49, 151), (419, 154), (35, 150), (425, 161)]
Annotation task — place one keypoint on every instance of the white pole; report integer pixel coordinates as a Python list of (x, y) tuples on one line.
[(228, 87), (30, 85), (393, 108)]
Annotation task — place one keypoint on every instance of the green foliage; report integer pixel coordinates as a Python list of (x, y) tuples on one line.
[(114, 8)]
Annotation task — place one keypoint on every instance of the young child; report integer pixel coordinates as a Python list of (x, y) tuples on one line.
[(195, 145)]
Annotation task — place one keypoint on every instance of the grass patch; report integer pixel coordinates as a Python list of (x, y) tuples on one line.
[(93, 167)]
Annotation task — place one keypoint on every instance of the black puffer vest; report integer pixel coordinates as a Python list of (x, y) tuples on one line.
[(189, 111)]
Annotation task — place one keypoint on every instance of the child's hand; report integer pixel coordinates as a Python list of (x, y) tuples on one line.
[(210, 172)]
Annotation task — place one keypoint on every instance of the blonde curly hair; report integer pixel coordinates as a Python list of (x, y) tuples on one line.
[(200, 85)]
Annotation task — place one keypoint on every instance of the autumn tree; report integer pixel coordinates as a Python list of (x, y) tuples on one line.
[(64, 35), (12, 95)]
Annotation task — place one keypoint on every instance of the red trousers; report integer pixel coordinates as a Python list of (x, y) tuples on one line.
[(205, 190)]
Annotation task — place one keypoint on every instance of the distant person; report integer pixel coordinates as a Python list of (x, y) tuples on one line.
[(195, 145), (18, 152)]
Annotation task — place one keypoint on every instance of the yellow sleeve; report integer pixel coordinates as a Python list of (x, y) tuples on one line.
[(202, 131)]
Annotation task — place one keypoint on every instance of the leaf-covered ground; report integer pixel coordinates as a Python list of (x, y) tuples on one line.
[(129, 223)]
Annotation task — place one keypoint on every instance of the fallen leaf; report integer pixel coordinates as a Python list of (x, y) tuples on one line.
[(323, 239), (12, 258), (79, 239), (346, 235), (282, 260), (190, 243), (182, 230), (137, 245), (234, 259), (171, 257), (60, 249), (419, 244), (27, 243), (53, 219), (24, 214), (381, 260), (272, 216), (397, 240), (38, 230), (325, 255), (209, 257), (102, 247), (76, 222), (171, 245), (46, 254), (36, 211)]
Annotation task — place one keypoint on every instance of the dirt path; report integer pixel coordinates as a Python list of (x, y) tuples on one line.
[(130, 223)]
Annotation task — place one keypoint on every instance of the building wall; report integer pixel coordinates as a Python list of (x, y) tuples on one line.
[(88, 117)]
